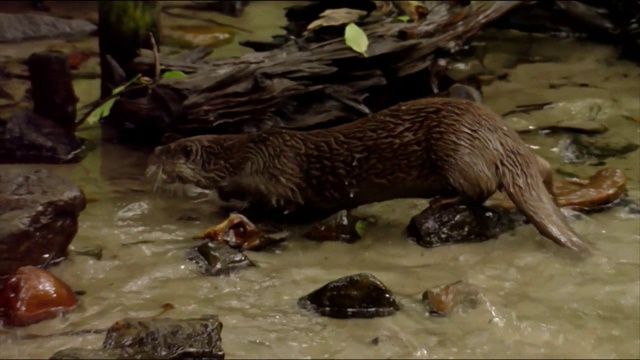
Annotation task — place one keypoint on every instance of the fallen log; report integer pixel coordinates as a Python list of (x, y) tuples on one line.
[(304, 84)]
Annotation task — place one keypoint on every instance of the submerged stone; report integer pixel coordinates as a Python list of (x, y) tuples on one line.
[(90, 354), (355, 296), (342, 226), (193, 36), (218, 259), (582, 147)]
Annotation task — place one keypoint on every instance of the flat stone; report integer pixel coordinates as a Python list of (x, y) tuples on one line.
[(355, 296), (21, 27)]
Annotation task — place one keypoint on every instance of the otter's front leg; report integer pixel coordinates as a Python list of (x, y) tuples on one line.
[(260, 193)]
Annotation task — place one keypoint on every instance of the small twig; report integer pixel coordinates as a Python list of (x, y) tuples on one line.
[(118, 74), (156, 57)]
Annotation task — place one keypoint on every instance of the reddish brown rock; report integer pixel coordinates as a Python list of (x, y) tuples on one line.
[(31, 295), (602, 188)]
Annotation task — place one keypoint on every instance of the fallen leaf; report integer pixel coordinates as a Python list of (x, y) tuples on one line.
[(356, 39), (333, 17), (173, 74), (105, 108)]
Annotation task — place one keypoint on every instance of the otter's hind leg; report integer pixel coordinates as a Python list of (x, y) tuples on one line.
[(546, 172), (472, 180)]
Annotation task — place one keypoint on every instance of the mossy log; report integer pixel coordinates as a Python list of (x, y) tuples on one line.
[(123, 29), (52, 88)]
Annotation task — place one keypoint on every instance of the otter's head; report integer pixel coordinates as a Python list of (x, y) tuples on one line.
[(193, 165)]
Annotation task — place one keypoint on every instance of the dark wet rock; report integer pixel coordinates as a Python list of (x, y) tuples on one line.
[(214, 258), (240, 233), (576, 117), (461, 224), (79, 353), (38, 217), (442, 300), (21, 27), (343, 226), (164, 338), (31, 295), (28, 138), (355, 296), (580, 148)]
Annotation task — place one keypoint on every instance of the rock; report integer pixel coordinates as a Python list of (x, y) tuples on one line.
[(164, 338), (586, 116), (442, 300), (31, 295), (342, 226), (94, 251), (214, 258), (582, 147), (461, 224), (240, 233), (28, 138), (22, 27), (38, 217), (355, 296), (79, 353)]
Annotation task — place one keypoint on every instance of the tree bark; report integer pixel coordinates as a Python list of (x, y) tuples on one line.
[(52, 88)]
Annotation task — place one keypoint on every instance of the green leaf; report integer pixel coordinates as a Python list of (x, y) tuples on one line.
[(105, 108), (100, 112), (403, 18), (173, 74), (356, 39), (360, 227)]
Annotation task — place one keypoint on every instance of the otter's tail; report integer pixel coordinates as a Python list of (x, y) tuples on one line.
[(527, 191)]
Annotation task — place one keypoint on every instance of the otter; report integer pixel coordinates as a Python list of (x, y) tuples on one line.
[(449, 150)]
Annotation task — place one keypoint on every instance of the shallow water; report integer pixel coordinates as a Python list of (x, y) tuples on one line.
[(540, 300)]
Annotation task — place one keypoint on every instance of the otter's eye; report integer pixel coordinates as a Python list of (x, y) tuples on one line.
[(186, 152)]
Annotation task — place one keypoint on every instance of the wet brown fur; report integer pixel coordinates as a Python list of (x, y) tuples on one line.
[(447, 148)]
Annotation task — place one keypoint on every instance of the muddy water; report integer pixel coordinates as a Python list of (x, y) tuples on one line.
[(540, 302)]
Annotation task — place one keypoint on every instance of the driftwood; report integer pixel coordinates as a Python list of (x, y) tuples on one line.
[(303, 84)]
